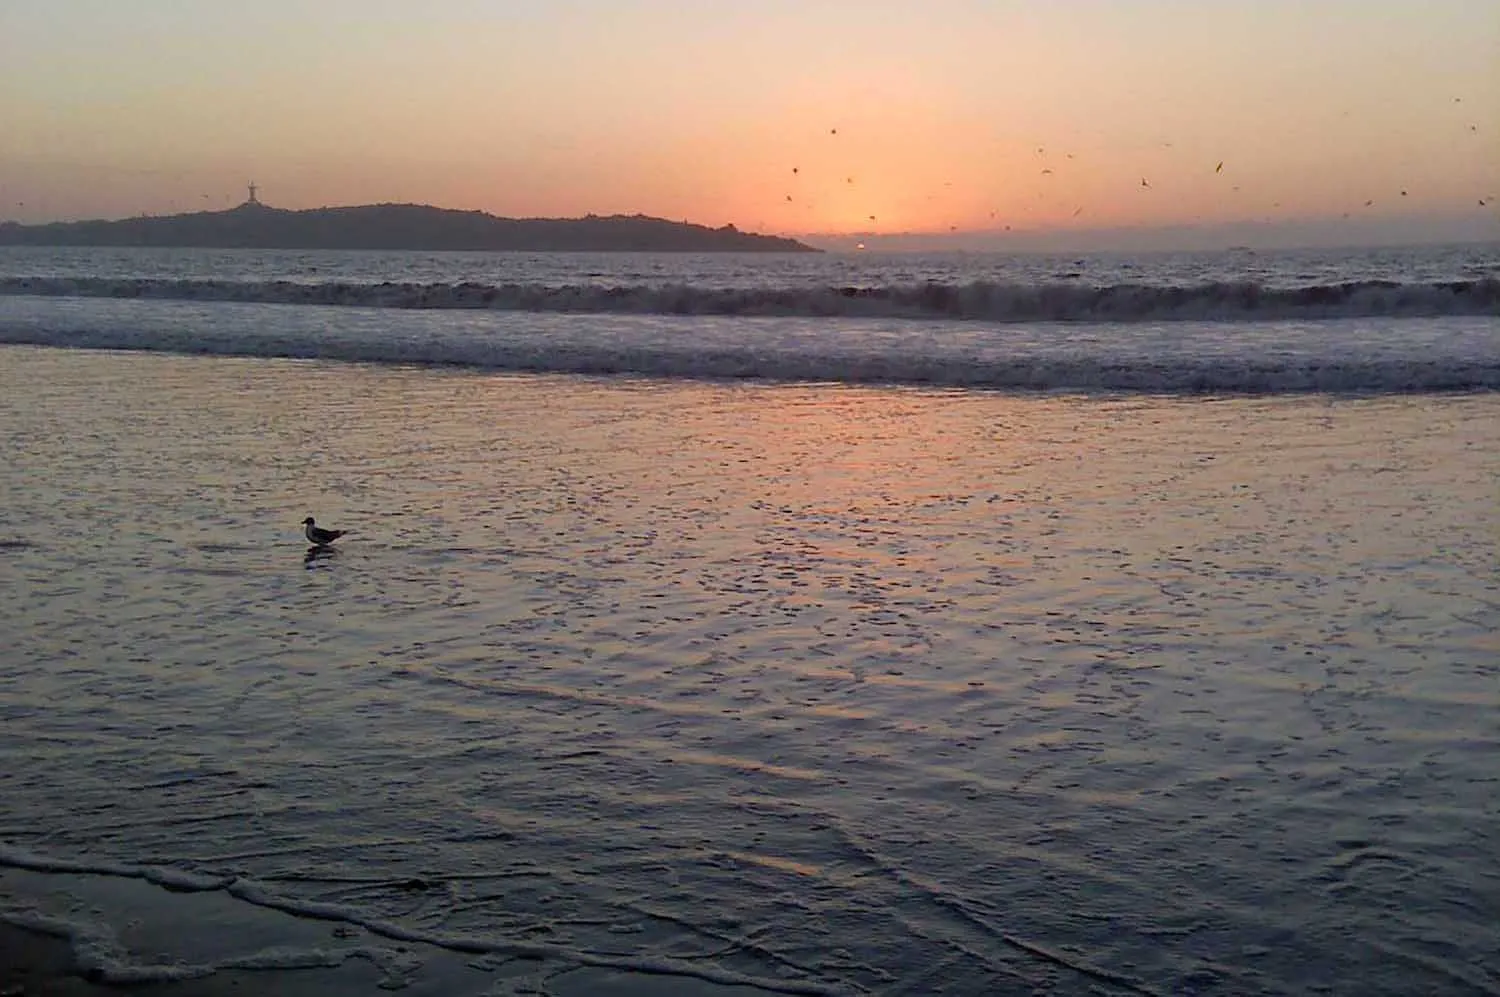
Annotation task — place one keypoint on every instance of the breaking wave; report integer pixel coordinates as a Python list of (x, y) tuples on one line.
[(1363, 355), (983, 301)]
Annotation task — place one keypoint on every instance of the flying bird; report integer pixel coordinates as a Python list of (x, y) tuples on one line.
[(1220, 167), (1145, 183), (319, 537)]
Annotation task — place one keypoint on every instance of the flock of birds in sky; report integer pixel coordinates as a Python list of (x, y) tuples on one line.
[(1145, 183), (1047, 171)]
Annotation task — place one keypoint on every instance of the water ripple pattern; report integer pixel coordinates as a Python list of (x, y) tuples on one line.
[(809, 688)]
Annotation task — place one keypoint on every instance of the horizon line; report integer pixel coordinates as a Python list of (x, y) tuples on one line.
[(1292, 227)]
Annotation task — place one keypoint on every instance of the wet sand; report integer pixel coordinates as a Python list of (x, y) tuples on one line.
[(35, 964), (845, 690), (134, 934)]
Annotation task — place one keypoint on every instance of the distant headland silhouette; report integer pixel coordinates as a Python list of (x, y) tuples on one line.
[(256, 225)]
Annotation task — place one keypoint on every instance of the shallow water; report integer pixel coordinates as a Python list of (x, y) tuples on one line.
[(837, 689)]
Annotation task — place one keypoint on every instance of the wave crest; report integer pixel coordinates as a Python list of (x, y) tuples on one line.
[(983, 301)]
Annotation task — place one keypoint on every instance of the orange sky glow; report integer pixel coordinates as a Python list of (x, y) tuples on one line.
[(829, 117)]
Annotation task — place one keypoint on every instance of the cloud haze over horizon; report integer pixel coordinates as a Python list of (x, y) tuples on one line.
[(1375, 120)]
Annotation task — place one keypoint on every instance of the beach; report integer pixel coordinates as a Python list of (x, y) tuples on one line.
[(745, 687)]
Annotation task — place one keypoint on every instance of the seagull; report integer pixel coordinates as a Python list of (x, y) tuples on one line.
[(318, 536)]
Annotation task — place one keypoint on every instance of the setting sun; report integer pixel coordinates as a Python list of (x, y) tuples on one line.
[(825, 118)]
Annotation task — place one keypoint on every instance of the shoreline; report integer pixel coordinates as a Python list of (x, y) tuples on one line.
[(34, 963), (78, 934)]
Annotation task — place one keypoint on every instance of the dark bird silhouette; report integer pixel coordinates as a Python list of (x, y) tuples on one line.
[(318, 536), (1145, 183), (1220, 167)]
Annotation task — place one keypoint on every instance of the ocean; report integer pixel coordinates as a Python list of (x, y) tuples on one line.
[(732, 625)]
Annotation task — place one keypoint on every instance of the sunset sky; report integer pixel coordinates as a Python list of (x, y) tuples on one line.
[(792, 116)]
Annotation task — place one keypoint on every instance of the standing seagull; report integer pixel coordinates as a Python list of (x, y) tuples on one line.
[(318, 536)]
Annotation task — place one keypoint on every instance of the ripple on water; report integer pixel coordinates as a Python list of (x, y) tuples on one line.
[(862, 690)]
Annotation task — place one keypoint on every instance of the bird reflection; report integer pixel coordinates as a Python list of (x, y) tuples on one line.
[(318, 552)]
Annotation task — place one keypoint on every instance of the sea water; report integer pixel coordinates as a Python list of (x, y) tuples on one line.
[(908, 651)]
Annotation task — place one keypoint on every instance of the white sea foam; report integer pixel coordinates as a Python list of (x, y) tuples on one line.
[(1363, 355), (173, 879), (987, 301), (101, 957)]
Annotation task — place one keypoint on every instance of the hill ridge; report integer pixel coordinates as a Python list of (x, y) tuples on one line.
[(396, 226)]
